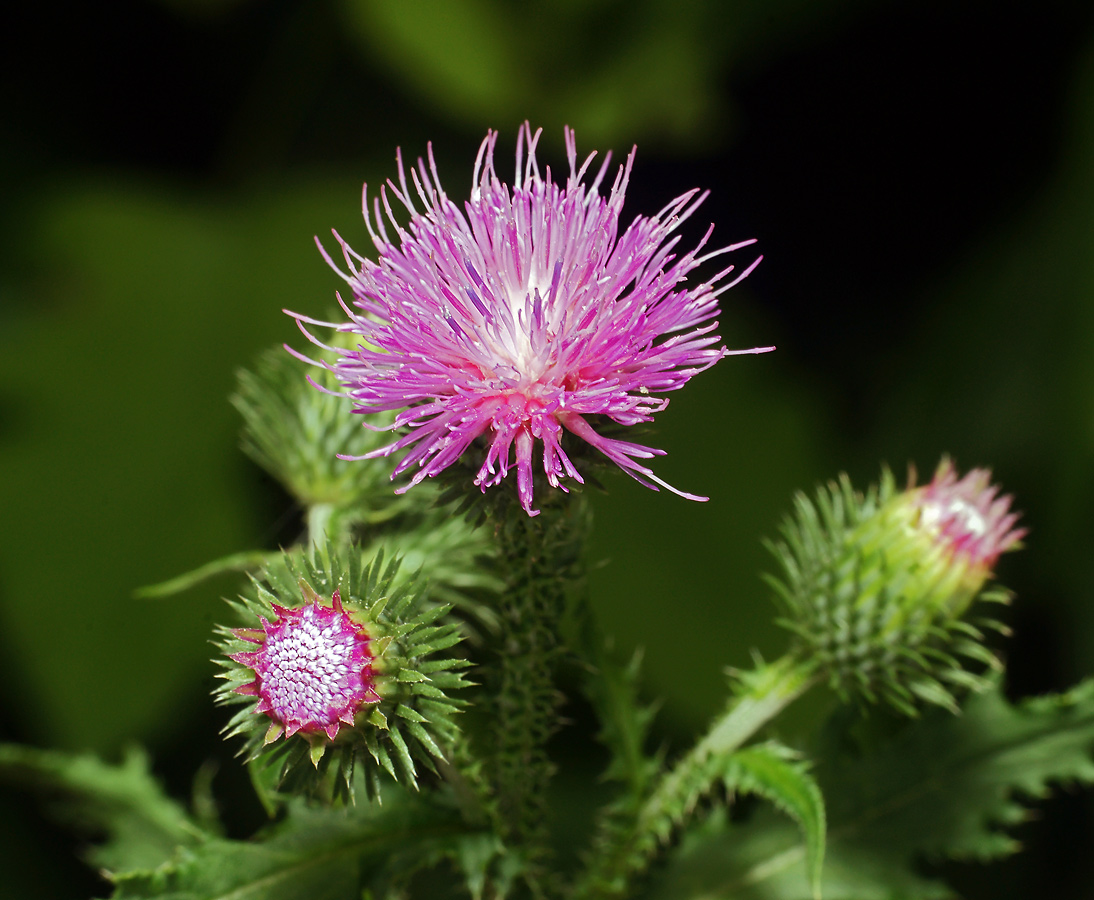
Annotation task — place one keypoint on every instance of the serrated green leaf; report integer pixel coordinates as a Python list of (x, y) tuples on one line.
[(143, 825), (944, 787), (773, 772)]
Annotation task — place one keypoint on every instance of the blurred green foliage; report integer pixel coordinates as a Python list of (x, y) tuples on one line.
[(159, 214), (121, 448)]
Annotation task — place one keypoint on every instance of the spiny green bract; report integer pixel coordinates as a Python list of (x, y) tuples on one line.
[(872, 605), (414, 722), (296, 433)]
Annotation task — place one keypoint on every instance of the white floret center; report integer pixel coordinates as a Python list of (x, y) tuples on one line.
[(309, 669), (967, 516)]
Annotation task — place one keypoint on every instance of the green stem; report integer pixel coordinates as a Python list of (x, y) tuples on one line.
[(540, 559), (627, 848), (770, 690), (318, 521)]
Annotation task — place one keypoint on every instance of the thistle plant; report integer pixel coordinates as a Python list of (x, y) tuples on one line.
[(395, 675)]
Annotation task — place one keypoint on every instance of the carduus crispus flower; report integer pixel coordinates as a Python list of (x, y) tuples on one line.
[(523, 313), (876, 586), (341, 666)]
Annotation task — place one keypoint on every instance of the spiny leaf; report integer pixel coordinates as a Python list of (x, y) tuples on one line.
[(624, 720), (632, 835), (943, 787), (774, 773)]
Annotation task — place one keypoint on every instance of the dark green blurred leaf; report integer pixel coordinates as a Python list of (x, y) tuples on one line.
[(606, 68), (315, 854), (628, 70), (124, 803), (121, 467)]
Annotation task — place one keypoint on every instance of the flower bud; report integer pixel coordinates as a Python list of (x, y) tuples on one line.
[(296, 432), (969, 525), (875, 585), (338, 667)]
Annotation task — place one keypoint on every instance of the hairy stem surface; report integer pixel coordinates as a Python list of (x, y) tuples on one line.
[(540, 558), (627, 847)]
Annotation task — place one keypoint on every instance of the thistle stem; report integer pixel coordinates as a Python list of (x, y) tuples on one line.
[(770, 690), (318, 522), (763, 694), (541, 561)]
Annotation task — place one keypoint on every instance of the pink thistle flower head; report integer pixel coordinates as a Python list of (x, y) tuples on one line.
[(517, 315), (312, 668), (966, 517)]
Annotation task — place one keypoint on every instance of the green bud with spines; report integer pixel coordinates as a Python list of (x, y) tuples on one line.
[(876, 586), (296, 433), (341, 666)]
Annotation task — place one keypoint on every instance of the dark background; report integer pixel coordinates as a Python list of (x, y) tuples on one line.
[(920, 177)]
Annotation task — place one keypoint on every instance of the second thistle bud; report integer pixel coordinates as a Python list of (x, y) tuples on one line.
[(340, 667), (966, 525), (875, 585)]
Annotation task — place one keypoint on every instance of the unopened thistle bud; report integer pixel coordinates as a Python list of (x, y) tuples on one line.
[(875, 586), (337, 665), (296, 432)]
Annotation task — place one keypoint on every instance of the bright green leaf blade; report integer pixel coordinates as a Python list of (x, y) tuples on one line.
[(143, 825), (772, 772)]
